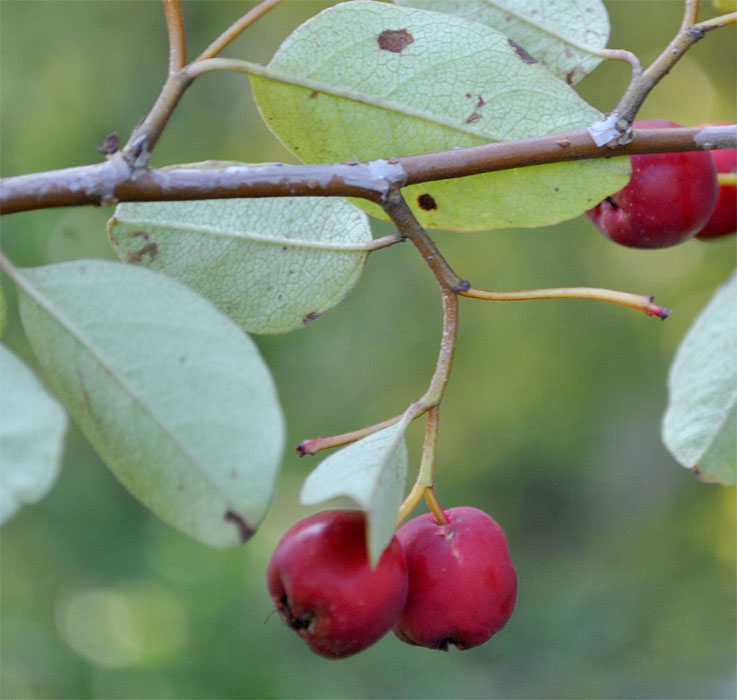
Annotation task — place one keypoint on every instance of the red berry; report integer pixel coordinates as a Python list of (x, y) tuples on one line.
[(723, 220), (668, 200), (462, 585), (324, 588)]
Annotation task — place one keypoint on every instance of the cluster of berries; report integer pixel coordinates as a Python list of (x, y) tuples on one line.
[(434, 585), (671, 197)]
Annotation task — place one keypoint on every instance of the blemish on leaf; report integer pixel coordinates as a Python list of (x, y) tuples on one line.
[(244, 531), (314, 94), (480, 102), (572, 75), (473, 118), (521, 52), (308, 318), (149, 248), (426, 202), (394, 40)]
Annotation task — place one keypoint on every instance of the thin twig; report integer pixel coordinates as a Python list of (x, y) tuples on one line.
[(177, 35), (690, 14), (236, 28), (633, 301), (641, 84), (401, 215)]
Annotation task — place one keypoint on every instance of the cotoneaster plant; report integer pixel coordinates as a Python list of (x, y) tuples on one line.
[(464, 121)]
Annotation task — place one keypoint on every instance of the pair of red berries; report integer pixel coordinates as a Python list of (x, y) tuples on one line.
[(435, 585), (671, 197)]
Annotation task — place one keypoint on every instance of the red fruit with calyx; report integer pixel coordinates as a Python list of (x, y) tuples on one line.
[(668, 200), (723, 221), (325, 589), (462, 584)]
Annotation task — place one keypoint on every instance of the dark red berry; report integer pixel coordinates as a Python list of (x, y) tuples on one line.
[(324, 588), (723, 221), (462, 585), (668, 200)]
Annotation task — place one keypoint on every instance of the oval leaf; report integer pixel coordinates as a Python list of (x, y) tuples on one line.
[(366, 80), (32, 428), (372, 472), (174, 397), (558, 33), (700, 422), (272, 265)]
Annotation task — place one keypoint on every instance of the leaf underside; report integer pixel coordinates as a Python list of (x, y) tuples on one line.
[(554, 33), (32, 428), (700, 422), (271, 265), (173, 396), (395, 81)]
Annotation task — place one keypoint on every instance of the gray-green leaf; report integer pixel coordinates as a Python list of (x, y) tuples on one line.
[(366, 80), (271, 265), (558, 33), (700, 422), (32, 428), (372, 472), (175, 397)]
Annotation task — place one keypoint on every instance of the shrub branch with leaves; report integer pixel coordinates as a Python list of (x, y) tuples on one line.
[(494, 136)]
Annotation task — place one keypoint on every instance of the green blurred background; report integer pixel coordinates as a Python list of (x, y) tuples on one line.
[(626, 562)]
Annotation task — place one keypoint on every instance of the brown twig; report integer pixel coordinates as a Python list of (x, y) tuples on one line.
[(620, 119), (115, 180)]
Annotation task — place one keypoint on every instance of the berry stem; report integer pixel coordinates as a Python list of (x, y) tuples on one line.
[(633, 301), (432, 502)]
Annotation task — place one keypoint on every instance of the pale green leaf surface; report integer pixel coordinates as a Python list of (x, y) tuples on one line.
[(700, 422), (175, 398), (3, 312), (32, 428), (457, 83), (271, 265), (371, 472), (554, 32)]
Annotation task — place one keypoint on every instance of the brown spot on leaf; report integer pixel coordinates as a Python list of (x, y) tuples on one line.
[(244, 531), (521, 52), (148, 248), (473, 118), (427, 202), (314, 94), (312, 316), (394, 40), (480, 102)]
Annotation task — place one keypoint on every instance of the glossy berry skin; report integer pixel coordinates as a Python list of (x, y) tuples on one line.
[(723, 221), (462, 584), (324, 588), (668, 200)]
